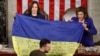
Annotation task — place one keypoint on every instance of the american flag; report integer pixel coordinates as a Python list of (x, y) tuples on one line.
[(54, 8)]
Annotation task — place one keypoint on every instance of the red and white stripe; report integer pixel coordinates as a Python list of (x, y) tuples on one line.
[(54, 8)]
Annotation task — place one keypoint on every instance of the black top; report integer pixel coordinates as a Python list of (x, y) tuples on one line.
[(37, 53), (39, 16)]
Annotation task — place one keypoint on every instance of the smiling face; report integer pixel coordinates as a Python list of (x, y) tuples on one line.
[(80, 15)]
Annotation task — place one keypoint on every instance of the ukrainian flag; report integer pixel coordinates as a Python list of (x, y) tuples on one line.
[(27, 33)]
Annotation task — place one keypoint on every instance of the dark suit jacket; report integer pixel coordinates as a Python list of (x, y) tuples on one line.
[(87, 38)]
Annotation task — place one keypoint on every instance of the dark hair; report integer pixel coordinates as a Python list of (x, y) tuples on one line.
[(82, 9), (43, 42), (29, 10)]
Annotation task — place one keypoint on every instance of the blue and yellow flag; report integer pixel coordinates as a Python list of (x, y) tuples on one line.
[(27, 33)]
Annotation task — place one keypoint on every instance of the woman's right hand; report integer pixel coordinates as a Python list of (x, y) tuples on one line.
[(68, 20)]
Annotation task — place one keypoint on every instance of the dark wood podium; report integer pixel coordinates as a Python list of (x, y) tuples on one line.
[(87, 54), (11, 52), (76, 54), (7, 54), (82, 52)]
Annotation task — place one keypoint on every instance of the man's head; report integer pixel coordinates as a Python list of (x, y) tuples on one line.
[(45, 45)]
